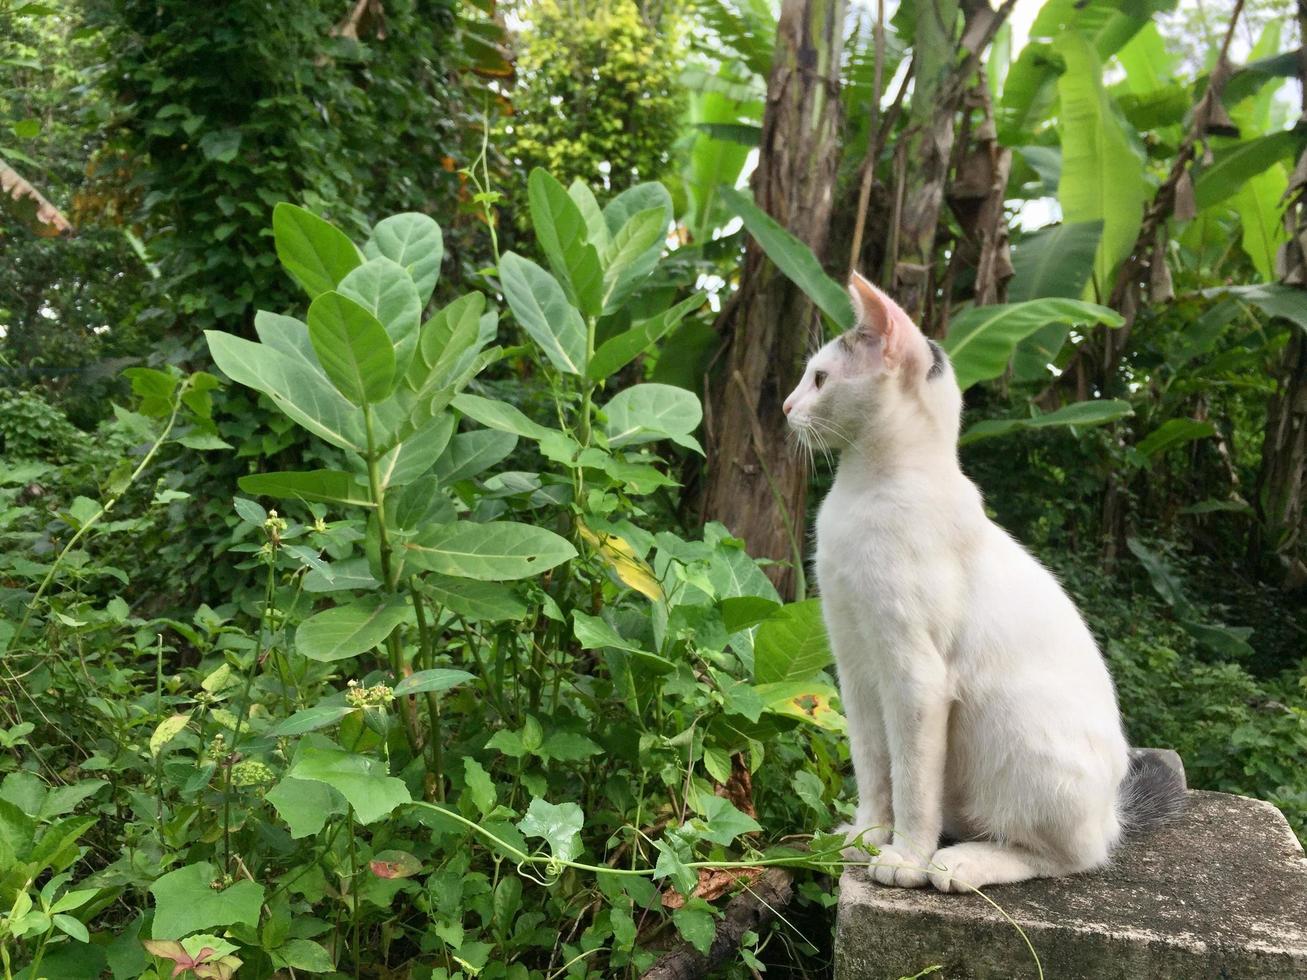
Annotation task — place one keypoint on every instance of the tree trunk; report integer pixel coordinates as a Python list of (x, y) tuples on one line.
[(1282, 481), (757, 486)]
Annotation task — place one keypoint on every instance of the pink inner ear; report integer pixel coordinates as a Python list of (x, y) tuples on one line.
[(879, 317)]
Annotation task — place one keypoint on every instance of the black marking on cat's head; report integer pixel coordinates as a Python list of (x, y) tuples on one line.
[(937, 361)]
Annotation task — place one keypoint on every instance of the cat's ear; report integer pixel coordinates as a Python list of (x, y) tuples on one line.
[(880, 319)]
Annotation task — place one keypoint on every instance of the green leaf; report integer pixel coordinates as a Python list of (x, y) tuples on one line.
[(185, 901), (791, 644), (1172, 433), (295, 388), (71, 927), (470, 454), (352, 347), (304, 804), (981, 339), (339, 576), (793, 258), (1076, 415), (561, 231), (594, 633), (722, 822), (417, 453), (302, 954), (502, 416), (648, 412), (1260, 218), (413, 241), (1233, 166), (596, 228), (326, 486), (541, 307), (432, 681), (310, 720), (697, 927), (671, 864), (559, 824), (384, 289), (362, 781), (479, 785), (1273, 299), (632, 254), (494, 551), (167, 730), (448, 343), (1054, 261), (1102, 174), (488, 602), (314, 251), (617, 352), (347, 631)]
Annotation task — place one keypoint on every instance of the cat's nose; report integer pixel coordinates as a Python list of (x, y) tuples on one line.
[(789, 404)]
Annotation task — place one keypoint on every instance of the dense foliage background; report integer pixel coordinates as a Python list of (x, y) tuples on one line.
[(410, 582)]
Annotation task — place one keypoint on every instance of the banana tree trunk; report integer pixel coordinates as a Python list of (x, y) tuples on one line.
[(756, 485), (1282, 482)]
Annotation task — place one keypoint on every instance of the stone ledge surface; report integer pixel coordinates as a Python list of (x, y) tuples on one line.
[(1221, 893)]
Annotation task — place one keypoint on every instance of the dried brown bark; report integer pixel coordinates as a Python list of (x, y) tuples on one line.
[(29, 206), (748, 911), (756, 485), (924, 159)]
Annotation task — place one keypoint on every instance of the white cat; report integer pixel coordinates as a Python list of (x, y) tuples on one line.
[(979, 707)]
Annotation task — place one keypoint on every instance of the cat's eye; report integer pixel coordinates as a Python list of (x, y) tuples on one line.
[(819, 379)]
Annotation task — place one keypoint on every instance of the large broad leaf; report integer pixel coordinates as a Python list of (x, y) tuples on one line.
[(559, 824), (617, 352), (715, 163), (385, 290), (1173, 432), (632, 254), (472, 453), (502, 416), (541, 307), (561, 230), (305, 805), (362, 781), (791, 644), (352, 347), (347, 631), (315, 252), (1102, 173), (494, 551), (414, 241), (186, 901), (416, 454), (1076, 415), (1261, 214), (293, 387), (648, 412), (326, 486), (1054, 261), (596, 227), (1233, 165), (432, 681), (1273, 299), (793, 258), (1228, 641), (490, 602), (981, 340), (449, 342)]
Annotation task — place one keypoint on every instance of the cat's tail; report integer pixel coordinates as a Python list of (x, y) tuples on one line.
[(1152, 793)]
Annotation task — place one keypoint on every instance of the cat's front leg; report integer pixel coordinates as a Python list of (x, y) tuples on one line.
[(873, 819), (915, 702)]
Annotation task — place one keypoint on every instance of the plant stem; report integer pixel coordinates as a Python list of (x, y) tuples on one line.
[(391, 576)]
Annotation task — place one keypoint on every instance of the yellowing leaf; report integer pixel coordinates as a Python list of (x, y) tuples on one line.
[(167, 730), (806, 700), (618, 555)]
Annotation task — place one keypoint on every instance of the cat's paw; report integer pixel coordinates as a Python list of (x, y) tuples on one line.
[(872, 836), (898, 868), (959, 869)]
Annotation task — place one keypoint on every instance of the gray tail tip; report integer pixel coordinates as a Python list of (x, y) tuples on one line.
[(1153, 792)]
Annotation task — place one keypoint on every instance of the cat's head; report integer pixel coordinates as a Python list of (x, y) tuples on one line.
[(882, 386)]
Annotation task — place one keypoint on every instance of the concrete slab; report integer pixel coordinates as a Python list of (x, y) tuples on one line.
[(1221, 894)]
